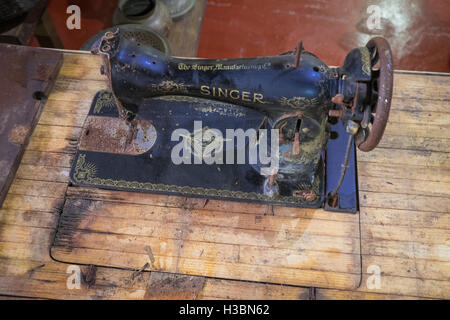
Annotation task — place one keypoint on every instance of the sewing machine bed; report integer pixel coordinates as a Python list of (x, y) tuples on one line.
[(103, 159)]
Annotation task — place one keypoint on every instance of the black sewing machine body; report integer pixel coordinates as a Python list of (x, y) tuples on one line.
[(294, 93)]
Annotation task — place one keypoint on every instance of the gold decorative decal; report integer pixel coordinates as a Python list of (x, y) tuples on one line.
[(365, 60), (169, 86), (105, 99), (85, 173), (233, 94), (299, 102), (221, 66)]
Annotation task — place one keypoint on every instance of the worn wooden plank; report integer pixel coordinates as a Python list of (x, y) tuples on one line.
[(28, 218), (23, 235), (225, 289), (43, 173), (222, 270), (425, 104), (39, 189), (422, 130), (49, 131), (404, 201), (418, 117), (62, 119), (53, 145), (406, 234), (67, 106), (220, 218), (48, 204), (430, 87), (413, 158), (48, 280), (47, 159), (401, 217), (404, 186), (76, 90), (219, 244), (406, 249), (410, 268), (398, 171), (331, 294), (415, 143), (28, 76), (409, 234), (81, 66), (409, 287)]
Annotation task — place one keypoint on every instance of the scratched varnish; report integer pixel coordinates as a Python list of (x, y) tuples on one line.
[(402, 228)]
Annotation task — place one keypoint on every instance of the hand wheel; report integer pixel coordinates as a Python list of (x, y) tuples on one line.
[(376, 116)]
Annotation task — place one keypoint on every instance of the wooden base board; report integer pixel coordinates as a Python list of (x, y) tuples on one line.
[(221, 239)]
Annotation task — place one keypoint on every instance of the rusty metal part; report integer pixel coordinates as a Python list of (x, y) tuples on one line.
[(149, 252), (354, 102), (279, 123), (338, 99), (135, 32), (307, 195), (385, 87), (298, 53), (109, 35), (28, 75), (115, 135), (333, 200), (33, 270), (139, 271), (103, 49), (272, 180), (366, 118), (296, 144), (89, 275)]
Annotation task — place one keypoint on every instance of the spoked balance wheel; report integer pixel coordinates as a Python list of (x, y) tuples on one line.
[(377, 114)]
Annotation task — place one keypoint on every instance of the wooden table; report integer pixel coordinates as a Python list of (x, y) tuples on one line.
[(402, 229)]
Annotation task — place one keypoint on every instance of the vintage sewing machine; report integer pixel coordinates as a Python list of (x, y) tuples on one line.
[(260, 129)]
